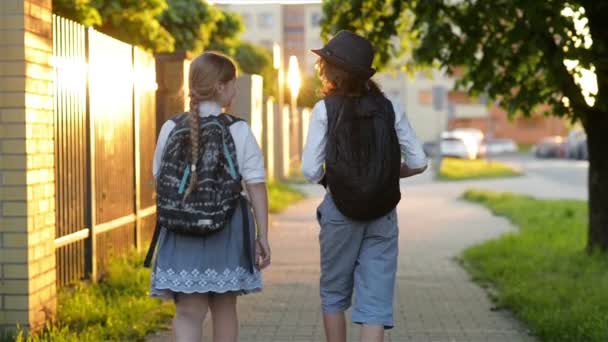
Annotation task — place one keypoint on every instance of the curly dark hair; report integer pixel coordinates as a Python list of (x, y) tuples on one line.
[(337, 81)]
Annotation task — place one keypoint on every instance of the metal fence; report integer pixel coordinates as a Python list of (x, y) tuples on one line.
[(105, 125)]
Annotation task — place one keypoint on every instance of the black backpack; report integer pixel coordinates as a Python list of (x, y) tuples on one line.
[(363, 156)]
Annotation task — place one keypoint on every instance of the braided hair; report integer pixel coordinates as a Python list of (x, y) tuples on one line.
[(207, 72)]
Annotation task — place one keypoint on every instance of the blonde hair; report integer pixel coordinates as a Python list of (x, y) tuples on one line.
[(207, 71)]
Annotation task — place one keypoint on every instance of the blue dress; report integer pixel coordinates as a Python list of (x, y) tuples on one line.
[(218, 263)]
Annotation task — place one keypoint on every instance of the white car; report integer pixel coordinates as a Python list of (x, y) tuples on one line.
[(462, 143), (500, 146), (457, 147)]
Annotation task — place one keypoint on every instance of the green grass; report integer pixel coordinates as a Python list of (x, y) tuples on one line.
[(542, 272), (281, 195), (117, 308), (461, 169), (521, 147)]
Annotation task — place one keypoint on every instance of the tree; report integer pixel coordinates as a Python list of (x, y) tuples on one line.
[(254, 59), (378, 20), (225, 36), (191, 23), (81, 11), (525, 54), (136, 22), (132, 21)]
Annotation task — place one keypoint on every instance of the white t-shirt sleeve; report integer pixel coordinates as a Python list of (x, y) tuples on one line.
[(160, 145), (252, 165), (411, 148), (313, 155)]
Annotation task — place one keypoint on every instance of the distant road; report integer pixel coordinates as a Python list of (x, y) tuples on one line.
[(564, 171)]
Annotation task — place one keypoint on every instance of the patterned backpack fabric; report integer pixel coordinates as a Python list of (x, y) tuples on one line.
[(210, 207)]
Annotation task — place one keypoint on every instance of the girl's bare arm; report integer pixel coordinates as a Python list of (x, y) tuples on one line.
[(259, 201)]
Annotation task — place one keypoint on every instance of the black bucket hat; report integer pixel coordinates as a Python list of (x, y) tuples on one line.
[(350, 52)]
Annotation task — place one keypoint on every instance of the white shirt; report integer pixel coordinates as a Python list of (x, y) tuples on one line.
[(248, 154), (313, 156)]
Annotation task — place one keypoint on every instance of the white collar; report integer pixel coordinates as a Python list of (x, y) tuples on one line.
[(207, 108)]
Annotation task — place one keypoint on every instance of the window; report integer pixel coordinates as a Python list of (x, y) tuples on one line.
[(265, 20), (315, 19), (294, 29), (292, 43), (294, 17), (439, 95)]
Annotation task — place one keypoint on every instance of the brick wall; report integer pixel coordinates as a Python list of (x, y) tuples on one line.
[(522, 130), (27, 216)]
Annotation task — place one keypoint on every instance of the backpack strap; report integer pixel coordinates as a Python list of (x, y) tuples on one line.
[(152, 247), (228, 119), (178, 118)]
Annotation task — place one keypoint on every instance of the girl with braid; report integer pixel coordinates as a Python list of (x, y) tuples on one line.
[(206, 273)]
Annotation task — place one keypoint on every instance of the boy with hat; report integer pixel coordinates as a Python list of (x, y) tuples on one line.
[(359, 145)]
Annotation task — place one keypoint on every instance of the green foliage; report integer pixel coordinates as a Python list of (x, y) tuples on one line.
[(542, 272), (511, 50), (136, 22), (378, 20), (225, 36), (118, 308), (309, 93), (281, 196), (81, 11), (460, 169), (190, 23), (158, 25), (253, 59)]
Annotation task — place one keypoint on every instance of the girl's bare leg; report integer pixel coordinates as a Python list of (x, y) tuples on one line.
[(190, 312), (225, 319)]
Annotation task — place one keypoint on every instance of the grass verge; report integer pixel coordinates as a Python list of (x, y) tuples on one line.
[(117, 308), (542, 272), (461, 169), (281, 195)]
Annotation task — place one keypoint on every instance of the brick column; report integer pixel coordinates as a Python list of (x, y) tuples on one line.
[(27, 188)]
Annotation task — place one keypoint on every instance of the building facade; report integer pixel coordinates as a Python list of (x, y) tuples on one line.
[(427, 98)]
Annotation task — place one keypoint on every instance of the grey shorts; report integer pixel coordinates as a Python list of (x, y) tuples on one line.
[(359, 256)]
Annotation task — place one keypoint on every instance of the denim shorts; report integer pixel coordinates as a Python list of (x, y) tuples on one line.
[(359, 257)]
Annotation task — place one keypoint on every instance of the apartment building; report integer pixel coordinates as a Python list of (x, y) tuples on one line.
[(428, 100), (295, 27)]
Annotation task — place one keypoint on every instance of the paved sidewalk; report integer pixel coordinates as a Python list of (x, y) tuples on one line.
[(435, 299)]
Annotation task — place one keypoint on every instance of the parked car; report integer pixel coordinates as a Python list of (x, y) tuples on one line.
[(462, 143), (576, 145), (550, 147), (458, 148), (499, 146)]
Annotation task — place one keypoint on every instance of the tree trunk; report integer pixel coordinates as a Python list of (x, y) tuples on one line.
[(596, 126)]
